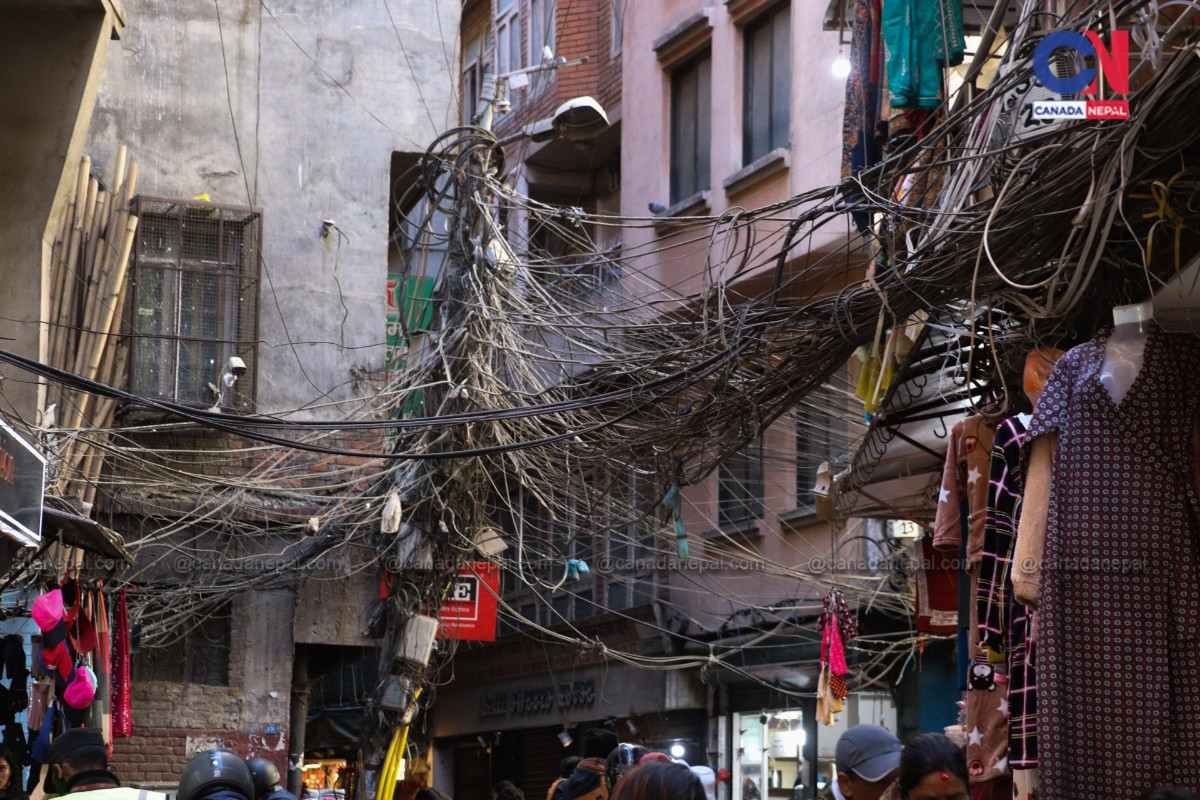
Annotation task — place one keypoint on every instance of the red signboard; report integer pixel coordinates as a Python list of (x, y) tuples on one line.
[(469, 611)]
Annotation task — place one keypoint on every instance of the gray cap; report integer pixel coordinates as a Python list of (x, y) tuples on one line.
[(869, 751)]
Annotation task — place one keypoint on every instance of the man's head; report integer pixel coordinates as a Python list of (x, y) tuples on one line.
[(265, 776), (867, 758), (216, 773), (598, 742), (77, 750)]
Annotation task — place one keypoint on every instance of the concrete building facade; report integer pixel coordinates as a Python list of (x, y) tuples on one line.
[(288, 115)]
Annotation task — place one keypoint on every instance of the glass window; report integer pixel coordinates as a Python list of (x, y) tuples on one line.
[(472, 75), (508, 38), (541, 29), (691, 113), (740, 488), (766, 105)]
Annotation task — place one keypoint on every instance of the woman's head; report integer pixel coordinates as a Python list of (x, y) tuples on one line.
[(10, 770), (659, 780), (507, 790), (933, 768)]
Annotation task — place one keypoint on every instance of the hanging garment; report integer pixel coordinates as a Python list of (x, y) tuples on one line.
[(1119, 605), (921, 37), (959, 524), (1004, 624), (39, 694), (987, 723), (122, 712), (965, 478), (102, 706), (937, 588), (861, 116)]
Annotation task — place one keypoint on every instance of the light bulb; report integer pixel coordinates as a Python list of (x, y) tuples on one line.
[(677, 751), (841, 65)]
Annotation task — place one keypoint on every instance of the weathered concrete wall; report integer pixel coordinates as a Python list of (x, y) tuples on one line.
[(297, 110)]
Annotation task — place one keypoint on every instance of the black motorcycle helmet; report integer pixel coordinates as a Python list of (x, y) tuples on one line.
[(213, 771), (265, 776)]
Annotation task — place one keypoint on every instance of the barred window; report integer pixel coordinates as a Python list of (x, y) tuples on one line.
[(194, 302)]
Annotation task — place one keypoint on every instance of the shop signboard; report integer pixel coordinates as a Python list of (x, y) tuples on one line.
[(22, 480), (469, 611)]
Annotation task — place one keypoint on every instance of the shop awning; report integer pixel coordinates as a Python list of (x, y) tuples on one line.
[(61, 522), (333, 728)]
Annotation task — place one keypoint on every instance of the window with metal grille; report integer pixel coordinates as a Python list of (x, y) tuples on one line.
[(691, 127), (814, 445), (194, 302), (767, 93)]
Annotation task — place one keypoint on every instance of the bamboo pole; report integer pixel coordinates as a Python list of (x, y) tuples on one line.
[(91, 282), (101, 275), (106, 303), (90, 469), (63, 284)]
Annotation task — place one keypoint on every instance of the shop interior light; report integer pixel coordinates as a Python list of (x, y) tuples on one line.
[(565, 738), (677, 750)]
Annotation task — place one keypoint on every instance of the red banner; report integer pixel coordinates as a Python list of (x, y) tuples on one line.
[(469, 611)]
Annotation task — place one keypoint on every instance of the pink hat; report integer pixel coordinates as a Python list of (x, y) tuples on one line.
[(48, 610), (81, 691)]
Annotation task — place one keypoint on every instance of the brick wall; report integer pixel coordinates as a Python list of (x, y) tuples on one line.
[(583, 28), (155, 757)]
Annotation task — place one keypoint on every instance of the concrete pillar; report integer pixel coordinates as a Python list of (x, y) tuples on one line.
[(299, 714)]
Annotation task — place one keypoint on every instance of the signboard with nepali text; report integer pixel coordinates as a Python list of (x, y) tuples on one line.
[(22, 481), (469, 611)]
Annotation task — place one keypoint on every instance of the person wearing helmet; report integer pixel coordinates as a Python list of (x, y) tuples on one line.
[(78, 766), (216, 775), (266, 781)]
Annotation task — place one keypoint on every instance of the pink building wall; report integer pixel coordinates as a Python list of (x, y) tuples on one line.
[(813, 161)]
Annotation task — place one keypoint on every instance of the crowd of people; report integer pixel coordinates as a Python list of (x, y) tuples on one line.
[(871, 764), (870, 761)]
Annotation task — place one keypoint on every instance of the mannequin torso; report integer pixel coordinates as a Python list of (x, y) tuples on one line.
[(1125, 349)]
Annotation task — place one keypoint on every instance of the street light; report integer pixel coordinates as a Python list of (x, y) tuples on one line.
[(578, 119)]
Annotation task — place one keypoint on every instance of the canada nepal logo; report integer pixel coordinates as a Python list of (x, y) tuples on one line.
[(1112, 63)]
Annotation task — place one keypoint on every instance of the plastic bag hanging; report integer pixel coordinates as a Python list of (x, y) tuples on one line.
[(674, 501)]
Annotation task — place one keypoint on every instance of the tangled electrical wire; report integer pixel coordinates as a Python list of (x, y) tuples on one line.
[(560, 383)]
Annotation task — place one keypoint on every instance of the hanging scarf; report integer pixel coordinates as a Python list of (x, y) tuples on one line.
[(834, 608), (122, 712), (102, 708)]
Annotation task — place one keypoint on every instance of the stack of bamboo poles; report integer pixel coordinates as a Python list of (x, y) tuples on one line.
[(90, 266)]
